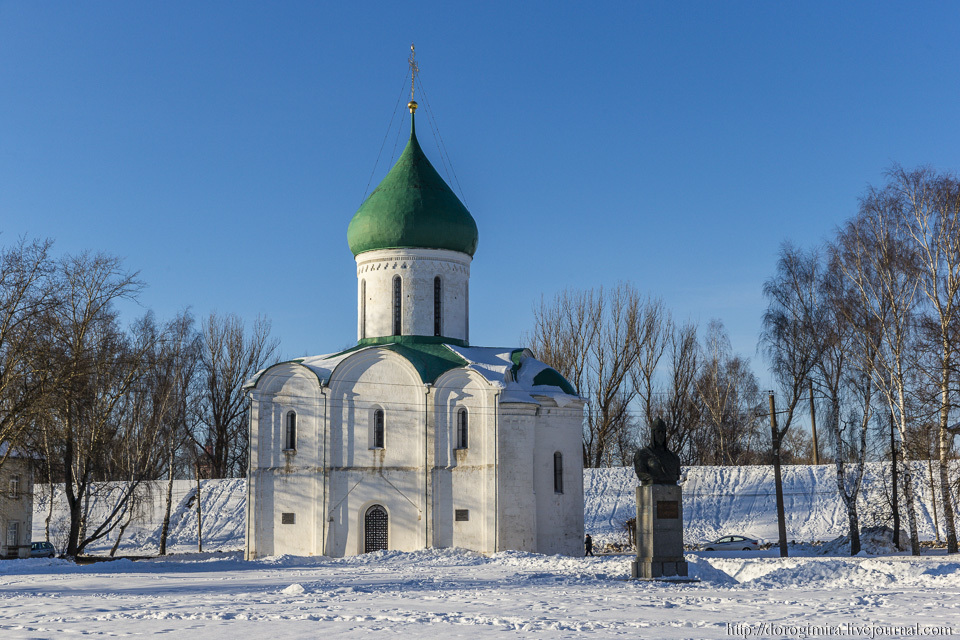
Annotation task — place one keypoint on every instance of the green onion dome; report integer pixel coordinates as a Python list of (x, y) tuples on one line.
[(412, 208)]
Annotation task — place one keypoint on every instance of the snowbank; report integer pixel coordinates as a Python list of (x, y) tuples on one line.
[(716, 501), (222, 506), (721, 501)]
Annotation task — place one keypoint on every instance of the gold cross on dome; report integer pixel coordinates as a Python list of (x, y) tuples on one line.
[(413, 69)]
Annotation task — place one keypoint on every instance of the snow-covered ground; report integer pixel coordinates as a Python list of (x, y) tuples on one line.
[(457, 593), (454, 593)]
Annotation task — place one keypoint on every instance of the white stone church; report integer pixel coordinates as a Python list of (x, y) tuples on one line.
[(413, 438)]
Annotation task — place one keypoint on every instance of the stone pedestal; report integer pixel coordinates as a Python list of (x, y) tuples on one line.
[(659, 532)]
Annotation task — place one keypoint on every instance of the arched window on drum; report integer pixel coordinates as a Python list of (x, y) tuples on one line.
[(290, 432), (378, 430), (558, 472), (463, 429)]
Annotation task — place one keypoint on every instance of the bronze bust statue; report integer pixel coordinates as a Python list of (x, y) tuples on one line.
[(655, 464)]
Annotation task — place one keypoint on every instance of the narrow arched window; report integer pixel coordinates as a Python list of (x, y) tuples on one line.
[(378, 429), (290, 435), (437, 305), (363, 309), (463, 433), (397, 305), (558, 472)]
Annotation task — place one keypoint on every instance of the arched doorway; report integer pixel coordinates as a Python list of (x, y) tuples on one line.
[(375, 527)]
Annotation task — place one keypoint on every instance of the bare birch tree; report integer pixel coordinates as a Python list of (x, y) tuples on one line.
[(180, 357), (931, 206), (883, 275), (790, 339), (846, 367)]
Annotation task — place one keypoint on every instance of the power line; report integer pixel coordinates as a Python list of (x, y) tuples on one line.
[(431, 119), (385, 136)]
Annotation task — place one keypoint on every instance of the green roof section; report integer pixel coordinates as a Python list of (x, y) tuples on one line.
[(552, 378), (431, 360), (369, 342), (516, 356), (412, 208)]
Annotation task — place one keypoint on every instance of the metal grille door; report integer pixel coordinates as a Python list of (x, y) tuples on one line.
[(375, 529)]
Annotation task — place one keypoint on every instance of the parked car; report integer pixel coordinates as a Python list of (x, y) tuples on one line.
[(42, 550), (732, 543)]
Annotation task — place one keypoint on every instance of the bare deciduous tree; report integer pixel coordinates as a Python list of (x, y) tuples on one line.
[(591, 338), (931, 206), (26, 302), (883, 275), (790, 340), (680, 406), (846, 368), (179, 358), (98, 367), (229, 357), (729, 395)]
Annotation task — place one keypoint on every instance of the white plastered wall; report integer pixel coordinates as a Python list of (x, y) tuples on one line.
[(417, 269), (360, 475), (517, 517), (464, 478), (504, 478), (559, 515), (285, 481), (533, 516)]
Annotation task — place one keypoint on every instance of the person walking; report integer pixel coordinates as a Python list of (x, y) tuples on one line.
[(588, 545)]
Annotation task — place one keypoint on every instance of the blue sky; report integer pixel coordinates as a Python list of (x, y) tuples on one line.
[(222, 148)]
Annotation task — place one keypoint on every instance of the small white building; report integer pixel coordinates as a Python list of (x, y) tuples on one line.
[(413, 438), (16, 503)]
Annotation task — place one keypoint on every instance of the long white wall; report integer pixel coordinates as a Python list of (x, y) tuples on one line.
[(715, 500)]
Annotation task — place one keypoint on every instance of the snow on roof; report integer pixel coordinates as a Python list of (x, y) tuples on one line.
[(493, 363), (322, 366), (515, 370)]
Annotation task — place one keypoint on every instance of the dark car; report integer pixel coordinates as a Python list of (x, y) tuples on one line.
[(42, 550)]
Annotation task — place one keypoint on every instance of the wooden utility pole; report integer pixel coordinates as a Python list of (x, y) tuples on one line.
[(199, 513), (813, 427), (895, 501), (778, 479)]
